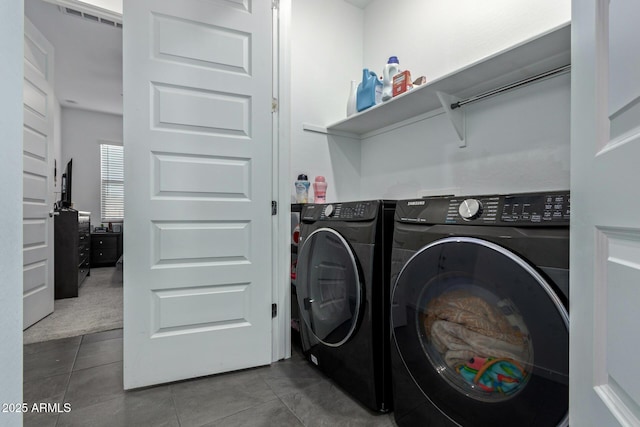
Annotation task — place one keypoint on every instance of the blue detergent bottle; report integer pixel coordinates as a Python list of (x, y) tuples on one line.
[(369, 90)]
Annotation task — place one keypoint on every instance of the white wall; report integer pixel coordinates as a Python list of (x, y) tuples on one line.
[(82, 133), (516, 142), (435, 37), (57, 149), (11, 52), (326, 54)]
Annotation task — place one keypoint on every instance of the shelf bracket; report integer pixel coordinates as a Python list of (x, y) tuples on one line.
[(456, 116)]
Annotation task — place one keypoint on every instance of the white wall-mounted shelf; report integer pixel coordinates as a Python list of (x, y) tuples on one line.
[(530, 58)]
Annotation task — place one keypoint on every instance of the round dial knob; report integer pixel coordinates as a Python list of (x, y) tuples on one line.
[(329, 211), (470, 209)]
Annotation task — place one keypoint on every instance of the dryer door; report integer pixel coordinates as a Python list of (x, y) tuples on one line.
[(483, 335), (328, 287)]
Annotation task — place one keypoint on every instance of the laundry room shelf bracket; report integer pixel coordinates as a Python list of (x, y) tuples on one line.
[(456, 116)]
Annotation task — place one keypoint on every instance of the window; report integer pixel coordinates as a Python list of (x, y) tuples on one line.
[(111, 182)]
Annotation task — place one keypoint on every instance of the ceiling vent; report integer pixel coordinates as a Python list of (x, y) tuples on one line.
[(89, 16)]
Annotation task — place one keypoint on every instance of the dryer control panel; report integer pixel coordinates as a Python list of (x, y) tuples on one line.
[(345, 211), (526, 209)]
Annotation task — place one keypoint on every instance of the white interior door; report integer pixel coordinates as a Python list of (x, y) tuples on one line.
[(605, 246), (198, 173), (38, 176)]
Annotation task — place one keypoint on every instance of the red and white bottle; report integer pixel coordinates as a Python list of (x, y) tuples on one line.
[(319, 190)]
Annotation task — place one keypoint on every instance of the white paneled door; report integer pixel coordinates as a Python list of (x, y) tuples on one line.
[(37, 181), (605, 234), (198, 188)]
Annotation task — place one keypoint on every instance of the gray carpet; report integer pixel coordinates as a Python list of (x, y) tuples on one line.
[(97, 308)]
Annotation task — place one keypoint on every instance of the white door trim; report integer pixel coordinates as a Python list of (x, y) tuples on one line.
[(281, 165), (11, 173)]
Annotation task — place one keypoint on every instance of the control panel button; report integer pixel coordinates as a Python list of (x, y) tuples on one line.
[(470, 209), (329, 210)]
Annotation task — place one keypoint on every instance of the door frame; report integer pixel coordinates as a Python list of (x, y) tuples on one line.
[(281, 327), (11, 129)]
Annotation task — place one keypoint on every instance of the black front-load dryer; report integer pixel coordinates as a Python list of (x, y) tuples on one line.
[(479, 319), (342, 285)]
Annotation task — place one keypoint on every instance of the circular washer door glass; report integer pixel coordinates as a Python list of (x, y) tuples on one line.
[(328, 287), (483, 334)]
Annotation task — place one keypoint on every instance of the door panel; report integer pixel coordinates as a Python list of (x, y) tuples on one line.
[(37, 183), (624, 69), (198, 138), (605, 245)]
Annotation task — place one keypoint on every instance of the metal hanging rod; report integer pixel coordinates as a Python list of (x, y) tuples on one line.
[(556, 71)]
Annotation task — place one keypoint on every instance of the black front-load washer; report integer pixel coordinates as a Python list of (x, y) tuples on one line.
[(342, 285), (479, 318)]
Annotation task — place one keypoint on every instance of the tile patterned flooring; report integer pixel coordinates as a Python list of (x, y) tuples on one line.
[(86, 372)]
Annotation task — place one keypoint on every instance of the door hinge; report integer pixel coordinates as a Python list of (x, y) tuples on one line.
[(275, 4), (274, 207), (274, 310), (274, 105)]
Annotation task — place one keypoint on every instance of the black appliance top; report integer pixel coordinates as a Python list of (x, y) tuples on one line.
[(551, 208), (345, 211)]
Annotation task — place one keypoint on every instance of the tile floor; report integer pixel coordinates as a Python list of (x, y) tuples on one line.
[(86, 372)]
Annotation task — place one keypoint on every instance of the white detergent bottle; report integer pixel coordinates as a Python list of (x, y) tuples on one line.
[(352, 100), (302, 189), (391, 69)]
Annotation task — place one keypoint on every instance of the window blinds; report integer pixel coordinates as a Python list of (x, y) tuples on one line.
[(111, 182)]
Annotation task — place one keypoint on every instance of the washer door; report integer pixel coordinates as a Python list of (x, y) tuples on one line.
[(483, 335), (328, 287)]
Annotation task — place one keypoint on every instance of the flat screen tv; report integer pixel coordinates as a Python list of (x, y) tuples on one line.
[(65, 199)]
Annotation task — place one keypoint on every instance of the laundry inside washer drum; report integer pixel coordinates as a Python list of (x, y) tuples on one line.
[(476, 340)]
